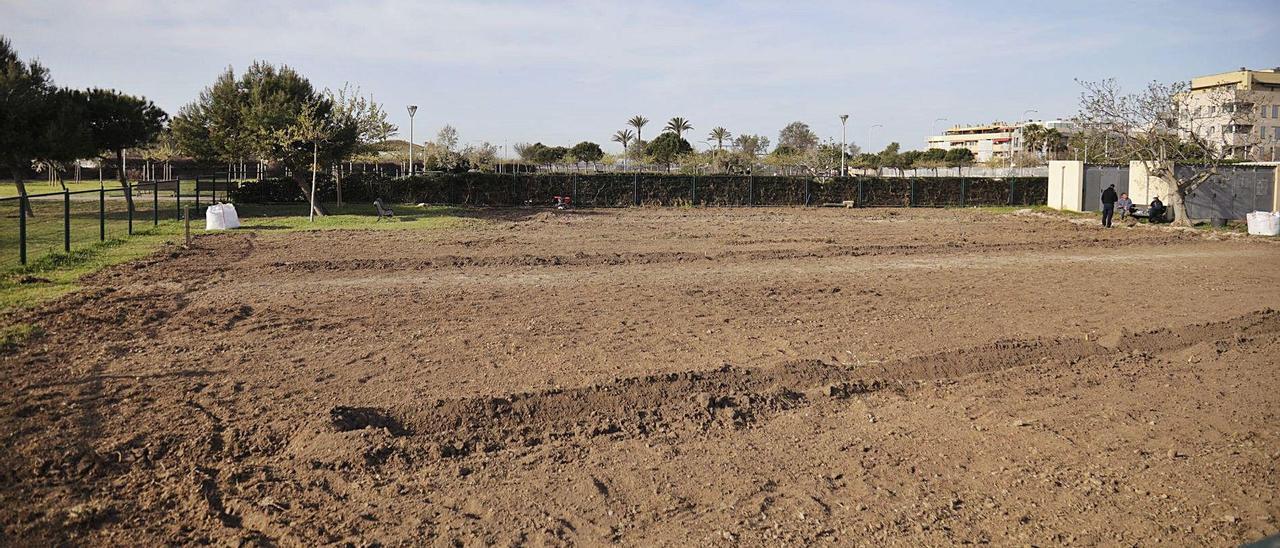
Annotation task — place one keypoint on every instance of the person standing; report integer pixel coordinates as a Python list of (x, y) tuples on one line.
[(1109, 205)]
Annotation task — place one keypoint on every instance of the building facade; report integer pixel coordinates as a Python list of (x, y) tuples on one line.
[(994, 140), (1238, 110)]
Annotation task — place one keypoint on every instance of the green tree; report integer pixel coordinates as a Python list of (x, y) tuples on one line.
[(587, 151), (261, 114), (117, 121), (910, 159), (38, 121), (530, 152), (211, 127), (638, 122), (624, 137), (482, 156), (720, 135), (959, 158), (866, 160), (797, 136), (368, 117), (666, 148), (889, 157), (678, 126), (933, 158)]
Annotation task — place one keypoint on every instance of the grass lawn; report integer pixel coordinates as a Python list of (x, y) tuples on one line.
[(54, 273), (8, 189)]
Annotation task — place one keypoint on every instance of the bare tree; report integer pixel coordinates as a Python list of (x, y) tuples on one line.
[(1181, 136)]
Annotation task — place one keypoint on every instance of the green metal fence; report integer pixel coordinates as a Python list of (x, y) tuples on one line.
[(63, 222)]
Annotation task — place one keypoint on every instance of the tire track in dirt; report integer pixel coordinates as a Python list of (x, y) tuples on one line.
[(730, 397), (659, 257)]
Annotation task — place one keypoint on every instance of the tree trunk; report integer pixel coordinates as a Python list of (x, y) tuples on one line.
[(311, 198), (306, 193), (124, 180), (22, 191), (1176, 196)]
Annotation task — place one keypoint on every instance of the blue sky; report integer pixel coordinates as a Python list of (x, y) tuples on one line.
[(560, 72)]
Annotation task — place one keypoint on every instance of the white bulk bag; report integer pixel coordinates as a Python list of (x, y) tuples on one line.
[(230, 217), (1264, 223), (221, 217)]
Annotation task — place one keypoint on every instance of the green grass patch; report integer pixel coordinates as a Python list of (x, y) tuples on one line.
[(54, 274), (13, 336), (347, 217)]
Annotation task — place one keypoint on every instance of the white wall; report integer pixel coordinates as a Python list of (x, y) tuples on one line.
[(1142, 188), (1066, 185)]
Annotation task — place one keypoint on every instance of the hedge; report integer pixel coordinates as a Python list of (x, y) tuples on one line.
[(628, 189)]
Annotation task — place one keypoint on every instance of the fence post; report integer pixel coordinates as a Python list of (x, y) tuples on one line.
[(128, 200), (861, 193), (22, 229), (751, 189), (807, 181), (575, 189), (964, 192), (197, 193), (66, 221), (913, 201), (177, 198), (694, 191), (155, 204), (1010, 191), (102, 214), (635, 188)]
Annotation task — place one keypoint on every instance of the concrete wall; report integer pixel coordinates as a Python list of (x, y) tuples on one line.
[(1066, 185)]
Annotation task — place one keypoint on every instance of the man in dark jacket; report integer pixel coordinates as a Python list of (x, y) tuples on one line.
[(1109, 205)]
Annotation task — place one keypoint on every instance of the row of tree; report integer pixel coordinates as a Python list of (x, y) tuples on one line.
[(41, 123), (798, 150)]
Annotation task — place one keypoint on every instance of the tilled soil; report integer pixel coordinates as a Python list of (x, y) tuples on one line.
[(721, 376)]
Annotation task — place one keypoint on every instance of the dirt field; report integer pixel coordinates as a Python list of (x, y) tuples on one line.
[(683, 377)]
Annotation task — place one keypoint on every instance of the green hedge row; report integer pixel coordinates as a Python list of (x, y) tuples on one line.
[(626, 189)]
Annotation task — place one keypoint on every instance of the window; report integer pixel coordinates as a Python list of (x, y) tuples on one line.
[(1275, 111), (1262, 111), (1277, 134)]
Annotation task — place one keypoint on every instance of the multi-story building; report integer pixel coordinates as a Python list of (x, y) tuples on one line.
[(994, 140), (1239, 110)]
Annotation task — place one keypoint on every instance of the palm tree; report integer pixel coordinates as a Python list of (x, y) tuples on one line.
[(678, 126), (637, 122), (720, 135), (623, 136)]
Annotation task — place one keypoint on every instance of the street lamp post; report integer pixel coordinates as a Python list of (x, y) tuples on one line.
[(844, 124), (869, 142), (1017, 134), (413, 109)]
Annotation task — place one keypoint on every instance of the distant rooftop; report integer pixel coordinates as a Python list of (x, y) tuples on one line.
[(1267, 79)]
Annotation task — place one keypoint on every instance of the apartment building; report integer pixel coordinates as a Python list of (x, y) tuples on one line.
[(1239, 110), (994, 140)]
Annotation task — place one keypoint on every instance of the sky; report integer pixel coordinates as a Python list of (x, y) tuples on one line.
[(563, 72)]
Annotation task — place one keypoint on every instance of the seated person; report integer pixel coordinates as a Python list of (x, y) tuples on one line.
[(1124, 205), (1155, 213)]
